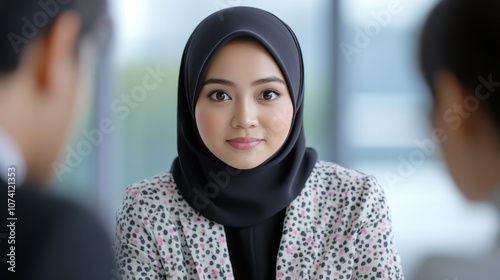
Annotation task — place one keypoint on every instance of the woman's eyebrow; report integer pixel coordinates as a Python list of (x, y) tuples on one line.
[(268, 80), (254, 83), (218, 81)]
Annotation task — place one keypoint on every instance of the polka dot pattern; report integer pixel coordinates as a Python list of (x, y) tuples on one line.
[(339, 227)]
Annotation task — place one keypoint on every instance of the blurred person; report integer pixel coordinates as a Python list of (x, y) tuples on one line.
[(245, 198), (46, 53), (460, 61)]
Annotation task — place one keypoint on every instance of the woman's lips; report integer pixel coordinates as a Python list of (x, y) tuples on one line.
[(244, 143)]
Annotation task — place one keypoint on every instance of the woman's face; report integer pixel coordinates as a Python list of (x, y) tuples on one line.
[(244, 111)]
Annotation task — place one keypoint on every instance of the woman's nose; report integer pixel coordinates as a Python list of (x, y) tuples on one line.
[(245, 114)]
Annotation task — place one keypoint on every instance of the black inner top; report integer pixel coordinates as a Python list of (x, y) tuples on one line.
[(253, 250)]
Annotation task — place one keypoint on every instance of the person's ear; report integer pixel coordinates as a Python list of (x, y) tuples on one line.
[(57, 50), (450, 112)]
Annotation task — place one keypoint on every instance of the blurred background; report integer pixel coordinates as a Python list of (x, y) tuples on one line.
[(366, 108)]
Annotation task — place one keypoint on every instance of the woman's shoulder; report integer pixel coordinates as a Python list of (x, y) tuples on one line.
[(156, 190), (332, 171), (152, 184), (356, 194), (335, 178)]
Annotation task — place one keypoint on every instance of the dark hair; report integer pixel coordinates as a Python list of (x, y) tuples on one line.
[(463, 37), (22, 21)]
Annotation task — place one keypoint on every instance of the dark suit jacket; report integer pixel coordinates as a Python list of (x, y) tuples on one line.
[(54, 239)]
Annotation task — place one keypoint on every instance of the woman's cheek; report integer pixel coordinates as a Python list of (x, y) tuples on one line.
[(210, 123), (281, 120)]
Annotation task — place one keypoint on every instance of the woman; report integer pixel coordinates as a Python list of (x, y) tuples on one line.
[(460, 60), (245, 199)]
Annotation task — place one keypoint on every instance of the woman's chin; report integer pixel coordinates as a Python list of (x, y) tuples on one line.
[(243, 163)]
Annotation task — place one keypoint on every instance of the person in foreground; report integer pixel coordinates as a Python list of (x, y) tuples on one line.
[(245, 199), (460, 60), (45, 50)]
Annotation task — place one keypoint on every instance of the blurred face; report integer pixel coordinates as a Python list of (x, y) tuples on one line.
[(455, 147), (73, 96), (44, 95), (58, 98), (244, 110), (470, 142)]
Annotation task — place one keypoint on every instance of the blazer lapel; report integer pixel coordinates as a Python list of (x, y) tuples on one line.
[(294, 258), (207, 242)]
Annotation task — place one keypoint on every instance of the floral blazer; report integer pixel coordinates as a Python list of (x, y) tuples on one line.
[(339, 227)]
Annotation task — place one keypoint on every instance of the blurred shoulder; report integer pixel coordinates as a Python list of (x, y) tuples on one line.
[(49, 209), (69, 238), (459, 267)]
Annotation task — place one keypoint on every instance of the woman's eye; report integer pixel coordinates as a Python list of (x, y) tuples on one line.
[(219, 96), (268, 95)]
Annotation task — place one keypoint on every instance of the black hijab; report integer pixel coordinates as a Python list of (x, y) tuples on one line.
[(223, 194)]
